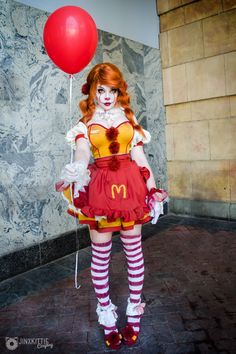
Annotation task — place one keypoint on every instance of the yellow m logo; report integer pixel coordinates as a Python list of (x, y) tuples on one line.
[(118, 189)]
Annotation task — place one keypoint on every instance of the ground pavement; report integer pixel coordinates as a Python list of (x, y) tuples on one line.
[(189, 290)]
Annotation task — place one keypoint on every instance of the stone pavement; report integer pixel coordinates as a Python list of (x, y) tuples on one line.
[(189, 289)]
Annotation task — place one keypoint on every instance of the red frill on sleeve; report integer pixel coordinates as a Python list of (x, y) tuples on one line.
[(79, 136), (145, 173)]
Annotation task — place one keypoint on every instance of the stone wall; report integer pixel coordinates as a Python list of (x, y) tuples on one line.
[(35, 117), (198, 52)]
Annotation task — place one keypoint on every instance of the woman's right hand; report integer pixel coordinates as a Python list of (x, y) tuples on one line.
[(70, 173), (76, 172)]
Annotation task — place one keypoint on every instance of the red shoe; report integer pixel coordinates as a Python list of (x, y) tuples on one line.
[(129, 335), (113, 340)]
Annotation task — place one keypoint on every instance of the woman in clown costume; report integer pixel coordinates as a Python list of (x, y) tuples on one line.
[(117, 192)]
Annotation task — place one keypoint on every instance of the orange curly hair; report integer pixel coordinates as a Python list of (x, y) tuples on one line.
[(107, 74)]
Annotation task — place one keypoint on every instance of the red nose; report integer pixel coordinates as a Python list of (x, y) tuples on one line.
[(107, 98)]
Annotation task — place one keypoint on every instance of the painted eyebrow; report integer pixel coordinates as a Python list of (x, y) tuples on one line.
[(102, 88)]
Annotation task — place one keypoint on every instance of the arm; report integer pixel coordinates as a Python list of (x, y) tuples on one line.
[(155, 197), (82, 152), (138, 155), (77, 171)]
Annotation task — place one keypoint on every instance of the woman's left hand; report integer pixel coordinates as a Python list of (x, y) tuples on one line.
[(156, 211), (156, 198)]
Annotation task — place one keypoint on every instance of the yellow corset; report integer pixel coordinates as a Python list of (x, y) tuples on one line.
[(108, 141)]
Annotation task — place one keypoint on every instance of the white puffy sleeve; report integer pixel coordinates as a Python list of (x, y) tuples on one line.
[(138, 138), (78, 131)]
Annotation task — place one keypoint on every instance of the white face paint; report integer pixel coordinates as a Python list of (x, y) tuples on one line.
[(106, 97)]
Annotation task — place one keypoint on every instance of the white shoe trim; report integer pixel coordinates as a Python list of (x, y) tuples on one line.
[(107, 317)]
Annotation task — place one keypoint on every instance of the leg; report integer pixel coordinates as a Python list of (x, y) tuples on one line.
[(101, 245), (132, 245)]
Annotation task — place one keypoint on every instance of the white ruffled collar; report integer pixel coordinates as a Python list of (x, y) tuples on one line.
[(109, 118), (110, 113)]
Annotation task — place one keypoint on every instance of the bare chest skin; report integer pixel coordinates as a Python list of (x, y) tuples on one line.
[(106, 123)]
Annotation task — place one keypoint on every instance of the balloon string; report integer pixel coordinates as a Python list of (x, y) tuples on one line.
[(70, 117), (77, 286), (70, 114)]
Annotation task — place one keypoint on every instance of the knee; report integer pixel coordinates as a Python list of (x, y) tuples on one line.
[(135, 231), (98, 237)]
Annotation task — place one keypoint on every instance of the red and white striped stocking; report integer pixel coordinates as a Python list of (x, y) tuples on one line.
[(100, 279), (133, 250)]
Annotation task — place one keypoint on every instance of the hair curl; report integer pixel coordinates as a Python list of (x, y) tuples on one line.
[(107, 74)]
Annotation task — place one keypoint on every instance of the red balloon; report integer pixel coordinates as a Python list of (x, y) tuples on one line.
[(70, 38)]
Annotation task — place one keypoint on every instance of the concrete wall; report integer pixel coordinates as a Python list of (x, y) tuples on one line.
[(198, 51), (34, 119)]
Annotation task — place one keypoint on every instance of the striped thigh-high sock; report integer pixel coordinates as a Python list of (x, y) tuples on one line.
[(100, 275), (132, 245)]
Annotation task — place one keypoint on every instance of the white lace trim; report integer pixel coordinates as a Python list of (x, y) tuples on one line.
[(99, 218), (133, 309), (107, 317), (109, 118)]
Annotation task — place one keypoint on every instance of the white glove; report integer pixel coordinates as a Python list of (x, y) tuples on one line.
[(155, 202), (76, 172), (156, 211)]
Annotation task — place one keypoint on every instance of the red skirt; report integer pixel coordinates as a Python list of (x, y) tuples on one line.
[(117, 191)]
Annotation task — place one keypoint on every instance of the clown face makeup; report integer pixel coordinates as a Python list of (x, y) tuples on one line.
[(106, 97)]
